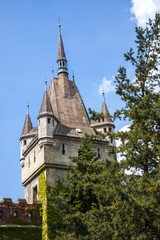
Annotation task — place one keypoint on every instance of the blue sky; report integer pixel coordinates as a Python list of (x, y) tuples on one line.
[(96, 34)]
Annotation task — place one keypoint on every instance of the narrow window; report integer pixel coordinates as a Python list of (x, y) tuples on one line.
[(53, 122), (34, 156), (28, 161), (49, 120), (63, 149), (35, 193), (39, 122), (24, 142), (111, 140), (99, 155), (60, 63), (63, 63), (110, 129), (104, 129)]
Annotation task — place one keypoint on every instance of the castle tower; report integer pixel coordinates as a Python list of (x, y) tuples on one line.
[(62, 121)]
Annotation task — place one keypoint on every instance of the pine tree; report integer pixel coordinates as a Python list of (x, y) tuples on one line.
[(141, 145), (86, 202)]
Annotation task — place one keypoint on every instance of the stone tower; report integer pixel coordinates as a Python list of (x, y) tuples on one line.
[(62, 121)]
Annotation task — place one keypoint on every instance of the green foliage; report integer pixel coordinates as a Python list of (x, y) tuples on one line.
[(20, 233), (141, 146), (83, 207), (42, 196)]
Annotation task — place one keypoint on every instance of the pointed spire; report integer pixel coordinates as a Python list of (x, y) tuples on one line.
[(46, 105), (61, 60), (61, 53), (105, 109), (27, 124)]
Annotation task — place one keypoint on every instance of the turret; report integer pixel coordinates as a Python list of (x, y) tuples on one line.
[(26, 137), (106, 124), (46, 119)]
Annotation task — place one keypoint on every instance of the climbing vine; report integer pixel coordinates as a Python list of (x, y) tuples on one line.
[(42, 196)]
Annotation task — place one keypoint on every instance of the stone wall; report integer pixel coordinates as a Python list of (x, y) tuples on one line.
[(19, 213)]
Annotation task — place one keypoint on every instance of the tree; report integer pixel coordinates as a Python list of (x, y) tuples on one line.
[(85, 203), (141, 146)]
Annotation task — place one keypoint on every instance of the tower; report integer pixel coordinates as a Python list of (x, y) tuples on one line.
[(105, 124), (62, 121)]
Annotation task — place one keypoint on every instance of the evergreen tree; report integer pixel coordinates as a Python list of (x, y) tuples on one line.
[(83, 207), (141, 145)]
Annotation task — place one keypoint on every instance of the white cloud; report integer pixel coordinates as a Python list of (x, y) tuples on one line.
[(143, 10), (118, 142), (106, 86)]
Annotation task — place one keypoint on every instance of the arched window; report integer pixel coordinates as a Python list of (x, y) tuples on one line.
[(29, 216), (15, 214)]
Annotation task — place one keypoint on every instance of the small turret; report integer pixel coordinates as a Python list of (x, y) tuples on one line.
[(105, 125), (47, 121), (27, 124), (26, 137)]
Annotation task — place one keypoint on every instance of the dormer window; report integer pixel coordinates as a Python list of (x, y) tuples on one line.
[(48, 120)]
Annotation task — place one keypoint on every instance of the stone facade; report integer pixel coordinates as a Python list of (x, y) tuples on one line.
[(62, 121)]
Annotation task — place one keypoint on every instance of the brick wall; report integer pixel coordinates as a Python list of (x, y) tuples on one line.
[(20, 212)]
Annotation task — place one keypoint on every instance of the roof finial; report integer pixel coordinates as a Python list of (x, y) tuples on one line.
[(46, 85), (28, 108), (52, 72), (59, 25), (103, 96), (73, 76)]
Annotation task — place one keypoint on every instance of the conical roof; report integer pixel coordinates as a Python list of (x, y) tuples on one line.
[(46, 105), (105, 112), (27, 125), (61, 53)]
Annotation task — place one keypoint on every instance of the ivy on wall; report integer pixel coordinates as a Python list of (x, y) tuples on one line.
[(42, 196)]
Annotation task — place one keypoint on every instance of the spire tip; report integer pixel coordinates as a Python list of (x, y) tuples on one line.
[(103, 96)]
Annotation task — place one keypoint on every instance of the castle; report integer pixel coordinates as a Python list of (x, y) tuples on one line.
[(62, 121)]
